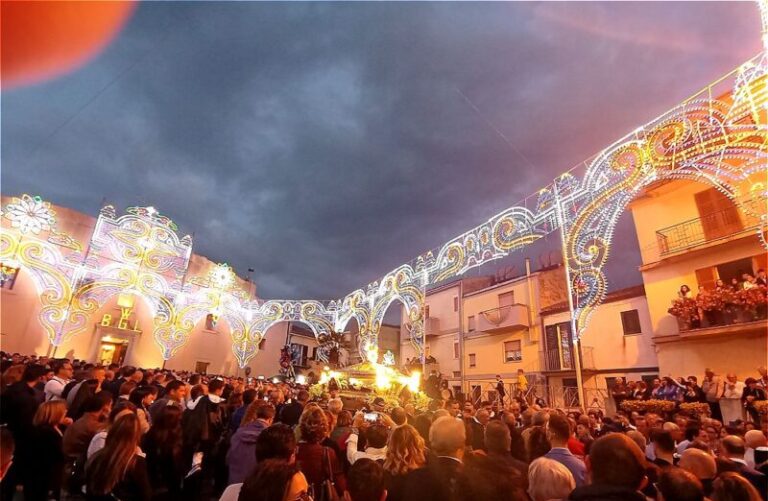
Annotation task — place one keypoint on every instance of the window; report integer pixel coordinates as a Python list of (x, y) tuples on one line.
[(455, 303), (719, 216), (426, 311), (630, 320), (299, 354), (210, 322), (472, 360), (8, 274), (513, 351), (471, 324), (506, 299), (456, 349)]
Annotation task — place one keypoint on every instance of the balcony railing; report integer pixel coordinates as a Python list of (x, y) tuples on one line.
[(502, 319), (554, 362), (710, 227)]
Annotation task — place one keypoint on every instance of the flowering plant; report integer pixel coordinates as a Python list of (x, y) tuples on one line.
[(761, 406), (710, 300), (695, 409), (684, 308), (751, 298), (655, 406)]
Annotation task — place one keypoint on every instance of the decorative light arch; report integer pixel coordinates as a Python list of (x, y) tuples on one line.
[(720, 139)]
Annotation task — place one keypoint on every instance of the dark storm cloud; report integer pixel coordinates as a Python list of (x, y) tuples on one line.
[(324, 144)]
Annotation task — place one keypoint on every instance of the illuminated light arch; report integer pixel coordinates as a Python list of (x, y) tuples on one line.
[(721, 141), (403, 284)]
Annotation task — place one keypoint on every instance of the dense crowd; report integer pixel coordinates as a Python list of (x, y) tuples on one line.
[(79, 431)]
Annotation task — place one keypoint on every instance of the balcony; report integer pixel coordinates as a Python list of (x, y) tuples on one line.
[(554, 362), (431, 326), (502, 320), (690, 234)]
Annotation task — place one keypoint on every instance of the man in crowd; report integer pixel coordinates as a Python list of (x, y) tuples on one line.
[(732, 452), (476, 429), (175, 392), (290, 413), (663, 448), (366, 481), (559, 431), (616, 469), (95, 412), (702, 465), (62, 374), (712, 387), (376, 436)]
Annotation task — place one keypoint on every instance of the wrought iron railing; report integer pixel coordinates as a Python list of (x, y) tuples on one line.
[(710, 227), (554, 362)]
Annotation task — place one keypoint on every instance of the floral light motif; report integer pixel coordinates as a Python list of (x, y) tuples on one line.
[(30, 214)]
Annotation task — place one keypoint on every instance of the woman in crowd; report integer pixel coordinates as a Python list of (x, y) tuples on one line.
[(538, 443), (684, 292), (163, 447), (121, 408), (319, 463), (406, 452), (343, 428), (119, 470), (276, 480), (549, 480), (49, 460), (640, 391), (12, 375)]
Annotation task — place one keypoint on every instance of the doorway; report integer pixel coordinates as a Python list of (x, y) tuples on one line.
[(112, 351)]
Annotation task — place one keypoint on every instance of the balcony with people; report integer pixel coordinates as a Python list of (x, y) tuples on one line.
[(737, 305)]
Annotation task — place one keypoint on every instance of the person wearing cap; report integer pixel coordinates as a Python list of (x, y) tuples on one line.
[(751, 393)]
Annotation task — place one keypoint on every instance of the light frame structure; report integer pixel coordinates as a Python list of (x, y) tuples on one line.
[(716, 138)]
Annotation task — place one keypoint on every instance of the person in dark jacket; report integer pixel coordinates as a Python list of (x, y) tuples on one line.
[(752, 393), (249, 396), (444, 478), (241, 457), (162, 445), (616, 466), (20, 403), (290, 413)]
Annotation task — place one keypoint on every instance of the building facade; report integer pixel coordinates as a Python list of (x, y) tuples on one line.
[(691, 234), (477, 328)]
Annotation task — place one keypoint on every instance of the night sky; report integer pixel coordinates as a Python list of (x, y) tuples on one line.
[(324, 144)]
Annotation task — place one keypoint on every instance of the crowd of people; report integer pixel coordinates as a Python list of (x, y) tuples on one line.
[(729, 399), (76, 430)]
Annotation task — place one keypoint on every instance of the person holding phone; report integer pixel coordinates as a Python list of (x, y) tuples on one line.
[(375, 426)]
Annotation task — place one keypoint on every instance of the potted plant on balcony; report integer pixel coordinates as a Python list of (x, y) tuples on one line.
[(686, 311)]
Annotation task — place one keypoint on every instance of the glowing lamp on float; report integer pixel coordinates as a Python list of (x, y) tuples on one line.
[(42, 40)]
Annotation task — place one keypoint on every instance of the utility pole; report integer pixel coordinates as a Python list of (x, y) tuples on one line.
[(576, 344)]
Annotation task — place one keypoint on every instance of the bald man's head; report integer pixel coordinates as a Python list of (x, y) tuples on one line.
[(733, 447), (754, 439), (699, 463)]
